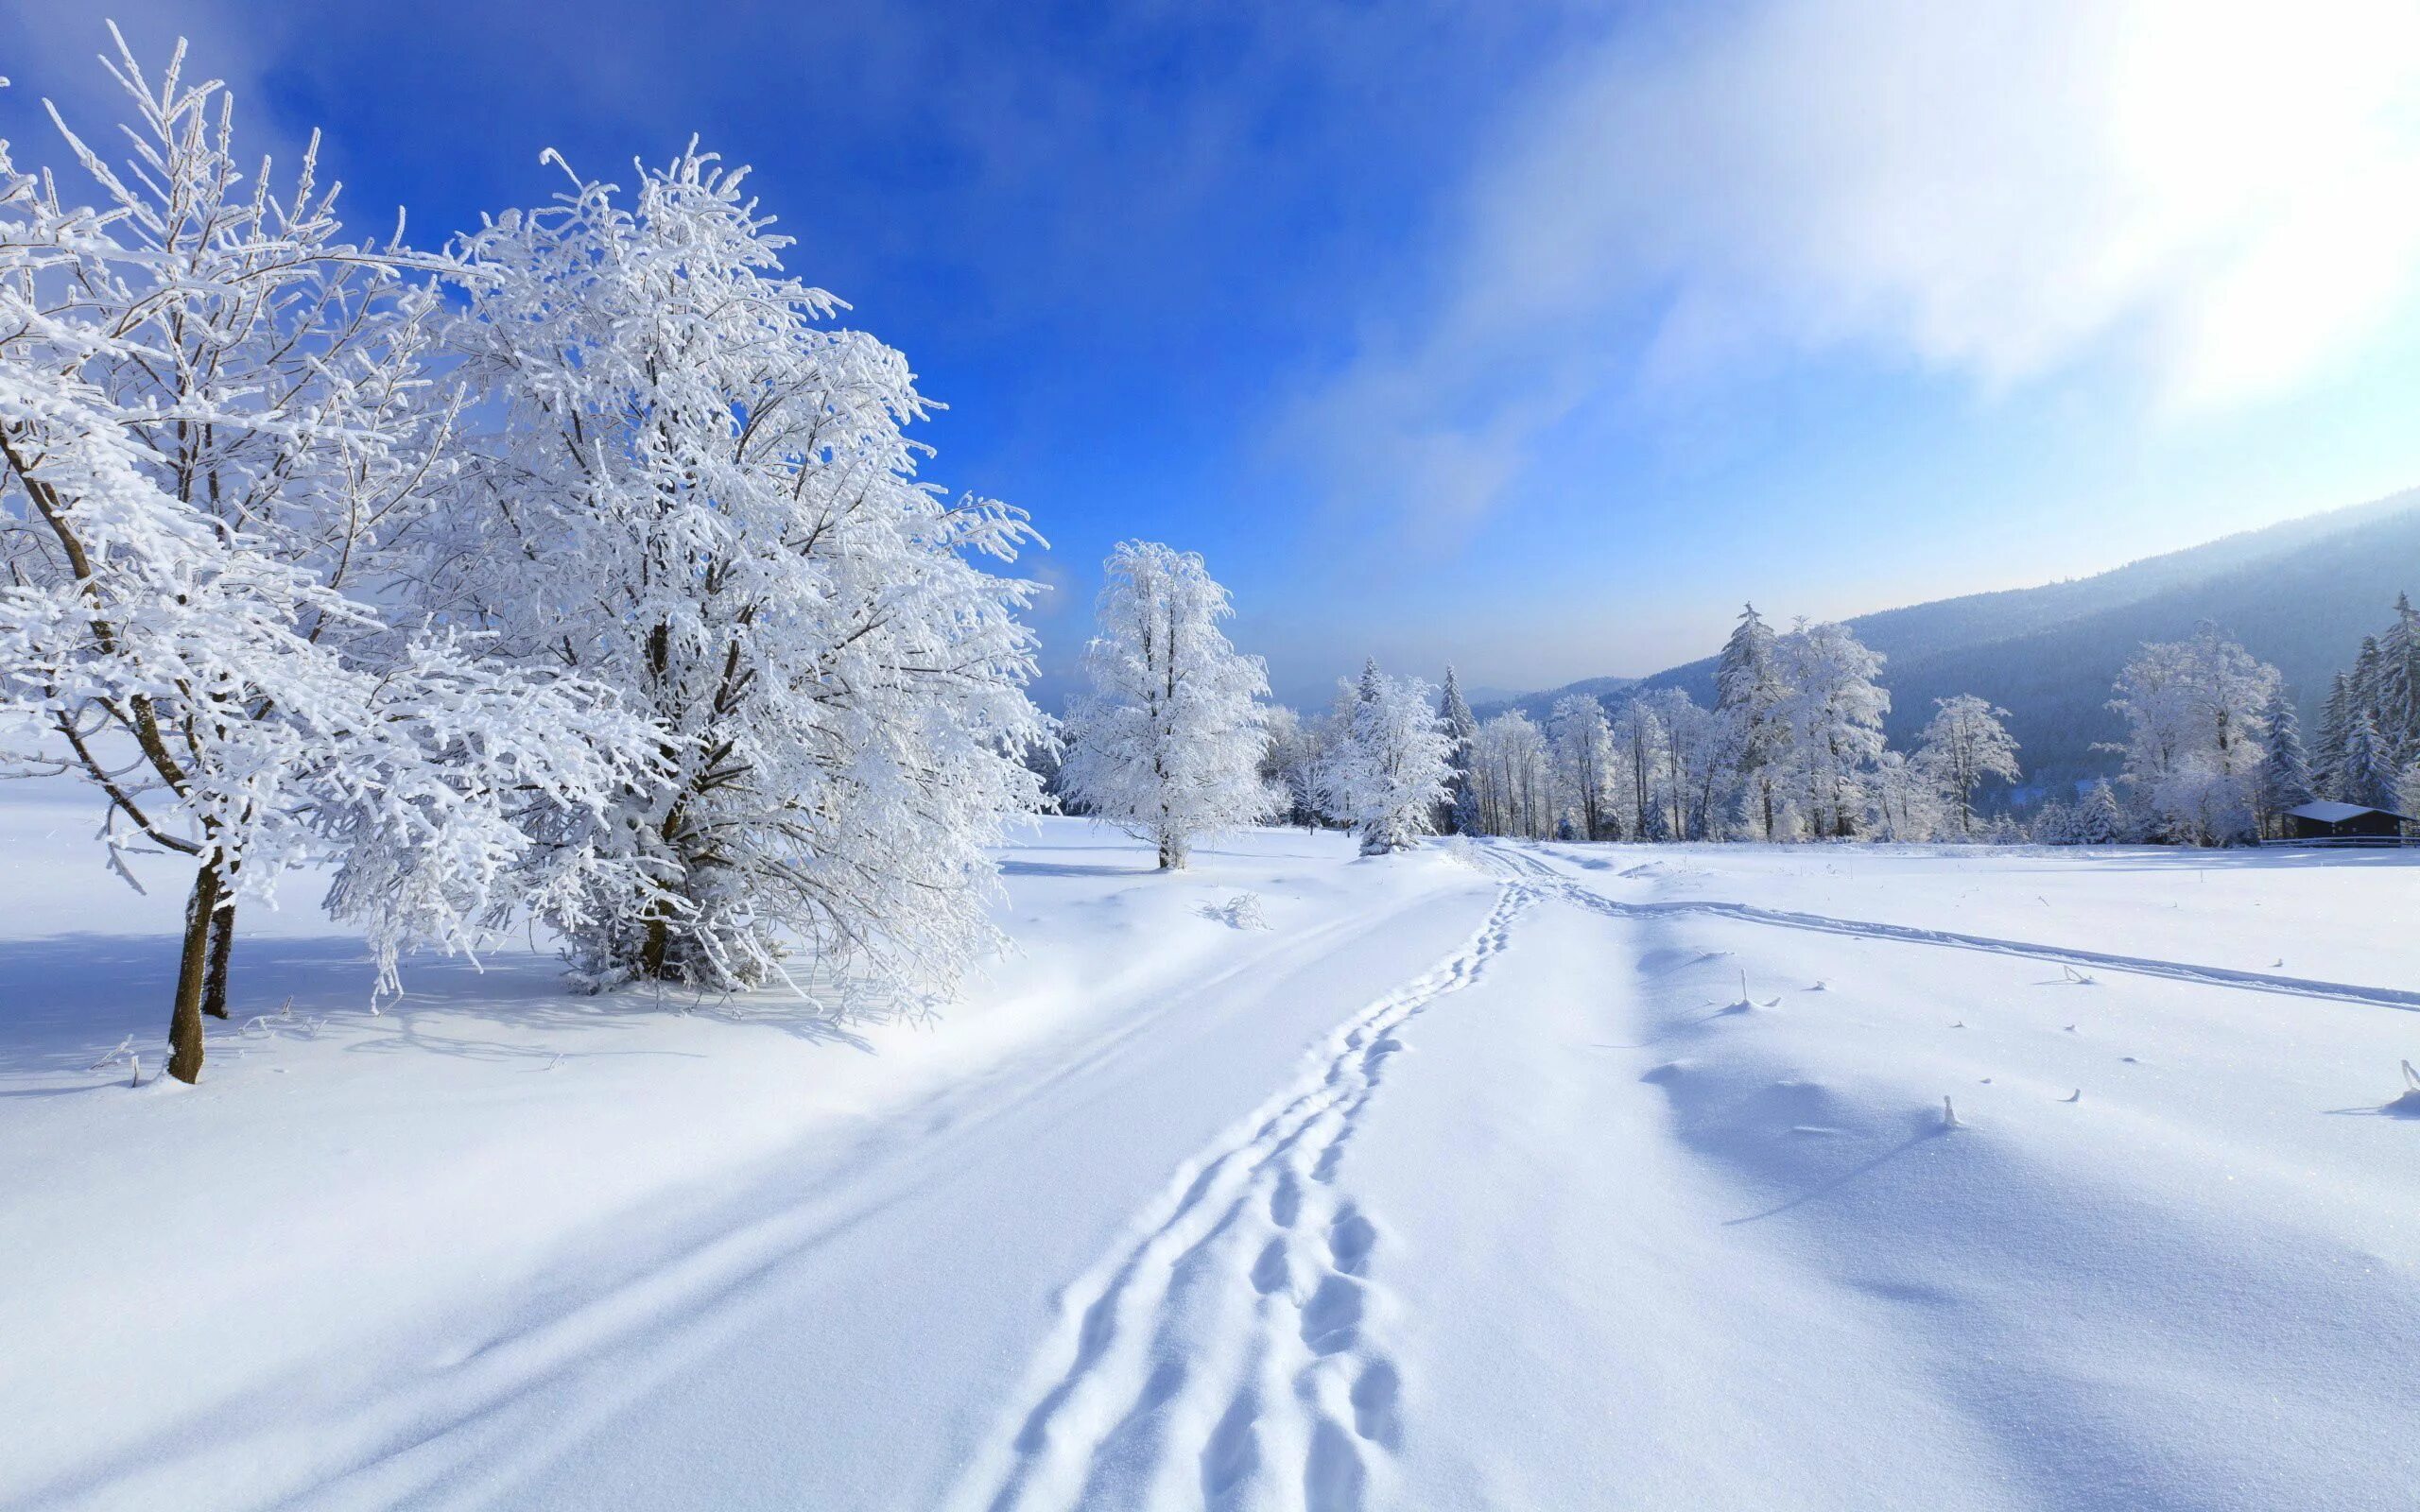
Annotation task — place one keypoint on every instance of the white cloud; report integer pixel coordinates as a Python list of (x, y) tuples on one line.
[(2227, 194)]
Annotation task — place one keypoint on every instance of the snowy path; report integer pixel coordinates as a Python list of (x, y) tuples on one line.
[(1226, 1341), (1461, 1186)]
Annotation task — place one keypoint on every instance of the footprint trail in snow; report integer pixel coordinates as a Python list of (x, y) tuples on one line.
[(1227, 1352)]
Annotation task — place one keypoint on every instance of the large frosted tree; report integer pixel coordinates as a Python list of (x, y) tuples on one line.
[(1584, 755), (698, 491), (2195, 725), (1166, 745), (1833, 710), (1749, 694), (1962, 744), (220, 443)]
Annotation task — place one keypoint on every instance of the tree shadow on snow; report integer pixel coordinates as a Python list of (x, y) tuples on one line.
[(66, 1000)]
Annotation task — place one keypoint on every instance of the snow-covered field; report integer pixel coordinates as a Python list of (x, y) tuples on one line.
[(1495, 1176)]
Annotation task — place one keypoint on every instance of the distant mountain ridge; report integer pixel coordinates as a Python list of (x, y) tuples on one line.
[(2299, 595)]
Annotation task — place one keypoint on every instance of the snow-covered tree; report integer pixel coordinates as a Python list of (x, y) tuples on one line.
[(700, 492), (1514, 770), (1910, 801), (1293, 761), (1391, 768), (2194, 712), (1833, 710), (1963, 744), (2285, 772), (2053, 823), (1582, 745), (219, 445), (1637, 767), (1166, 745), (1691, 763), (2100, 820), (2335, 726), (2399, 689), (1461, 810), (2365, 773), (1749, 694)]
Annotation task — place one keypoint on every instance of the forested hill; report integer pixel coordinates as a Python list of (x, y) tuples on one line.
[(2300, 596)]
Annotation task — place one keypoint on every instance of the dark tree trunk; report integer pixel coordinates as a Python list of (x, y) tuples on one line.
[(222, 947), (185, 1018)]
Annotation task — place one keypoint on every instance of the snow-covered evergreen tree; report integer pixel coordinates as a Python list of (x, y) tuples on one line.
[(2335, 727), (2285, 770), (2398, 692), (1749, 695), (699, 491), (1461, 810), (2366, 773), (1583, 757), (2100, 820), (219, 444), (1963, 744), (1833, 709), (1391, 768), (2053, 823), (1167, 743)]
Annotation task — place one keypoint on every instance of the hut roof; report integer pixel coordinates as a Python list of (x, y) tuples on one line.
[(2325, 812)]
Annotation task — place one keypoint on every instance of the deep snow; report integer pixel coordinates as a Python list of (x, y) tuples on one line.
[(1488, 1176)]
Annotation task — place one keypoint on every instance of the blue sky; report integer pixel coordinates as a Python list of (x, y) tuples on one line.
[(1531, 338)]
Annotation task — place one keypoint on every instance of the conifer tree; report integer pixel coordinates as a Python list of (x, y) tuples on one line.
[(2101, 820), (1461, 808), (2399, 695), (2335, 728), (2285, 772), (2368, 776)]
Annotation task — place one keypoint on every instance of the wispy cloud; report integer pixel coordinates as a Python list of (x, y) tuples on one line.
[(2225, 196)]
